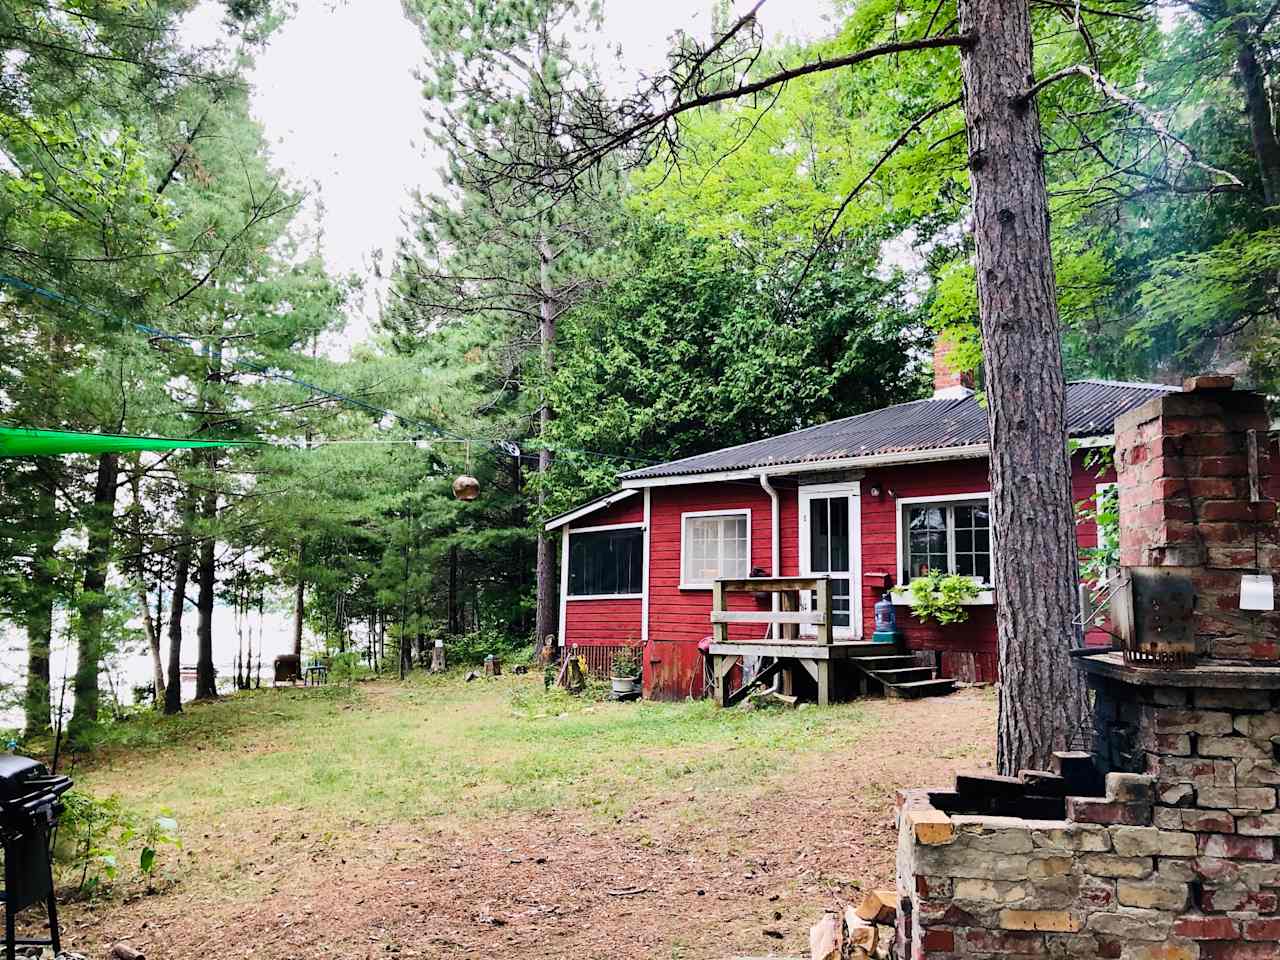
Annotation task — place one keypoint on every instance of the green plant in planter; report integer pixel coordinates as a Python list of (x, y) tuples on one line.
[(625, 664), (942, 597)]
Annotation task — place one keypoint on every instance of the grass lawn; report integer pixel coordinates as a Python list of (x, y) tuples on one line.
[(438, 818)]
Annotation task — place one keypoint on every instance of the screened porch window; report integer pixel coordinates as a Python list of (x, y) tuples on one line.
[(947, 537), (605, 563), (714, 546)]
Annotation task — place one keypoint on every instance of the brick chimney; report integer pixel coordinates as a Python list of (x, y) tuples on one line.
[(1197, 487), (947, 383)]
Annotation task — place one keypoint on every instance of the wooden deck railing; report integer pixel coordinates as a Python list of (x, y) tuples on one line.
[(789, 616)]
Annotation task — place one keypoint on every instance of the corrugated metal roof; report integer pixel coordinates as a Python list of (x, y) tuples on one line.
[(1092, 408)]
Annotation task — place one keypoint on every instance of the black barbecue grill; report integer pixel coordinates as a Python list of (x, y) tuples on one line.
[(30, 805)]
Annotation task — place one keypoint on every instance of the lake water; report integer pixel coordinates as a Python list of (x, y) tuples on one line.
[(275, 628)]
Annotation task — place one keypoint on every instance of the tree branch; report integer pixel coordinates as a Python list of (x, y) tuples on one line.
[(631, 132), (1138, 109), (915, 125)]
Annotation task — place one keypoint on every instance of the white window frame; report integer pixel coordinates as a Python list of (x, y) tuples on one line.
[(950, 499), (684, 541), (601, 528), (852, 490)]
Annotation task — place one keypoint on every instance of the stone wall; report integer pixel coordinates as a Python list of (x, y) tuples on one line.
[(1177, 863)]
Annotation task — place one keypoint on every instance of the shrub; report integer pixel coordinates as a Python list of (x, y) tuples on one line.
[(98, 838), (941, 597), (345, 667), (471, 648), (625, 663)]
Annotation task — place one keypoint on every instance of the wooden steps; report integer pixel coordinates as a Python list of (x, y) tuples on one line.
[(921, 688), (898, 675), (904, 675)]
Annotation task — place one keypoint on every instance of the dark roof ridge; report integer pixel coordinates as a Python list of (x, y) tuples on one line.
[(932, 423), (811, 427)]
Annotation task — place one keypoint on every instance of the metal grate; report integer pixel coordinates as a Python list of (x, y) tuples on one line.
[(597, 659)]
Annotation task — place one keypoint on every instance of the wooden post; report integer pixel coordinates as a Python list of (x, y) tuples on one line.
[(719, 631), (824, 682), (721, 665), (789, 602), (824, 607)]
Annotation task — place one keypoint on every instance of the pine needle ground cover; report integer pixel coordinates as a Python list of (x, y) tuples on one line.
[(438, 818)]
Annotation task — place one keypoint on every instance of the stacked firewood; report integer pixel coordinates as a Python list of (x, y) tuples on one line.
[(864, 932)]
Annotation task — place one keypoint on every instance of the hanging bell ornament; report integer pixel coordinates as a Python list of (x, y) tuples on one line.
[(466, 487)]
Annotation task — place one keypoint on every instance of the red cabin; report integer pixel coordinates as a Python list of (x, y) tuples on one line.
[(866, 500)]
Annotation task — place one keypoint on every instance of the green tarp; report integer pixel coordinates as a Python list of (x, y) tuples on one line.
[(52, 443)]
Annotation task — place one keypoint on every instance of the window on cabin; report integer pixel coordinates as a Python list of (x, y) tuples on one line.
[(948, 538), (606, 563), (714, 546)]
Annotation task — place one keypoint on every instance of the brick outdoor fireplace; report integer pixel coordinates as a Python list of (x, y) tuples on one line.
[(1163, 843)]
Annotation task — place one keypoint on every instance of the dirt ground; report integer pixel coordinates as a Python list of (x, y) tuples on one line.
[(745, 877)]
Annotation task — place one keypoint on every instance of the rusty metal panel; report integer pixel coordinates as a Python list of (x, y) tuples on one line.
[(1153, 615), (597, 658), (673, 670)]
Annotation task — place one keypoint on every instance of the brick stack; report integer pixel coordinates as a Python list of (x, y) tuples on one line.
[(1183, 471)]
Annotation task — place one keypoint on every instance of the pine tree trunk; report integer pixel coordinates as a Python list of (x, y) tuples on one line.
[(150, 625), (545, 614), (39, 613), (206, 571), (299, 605), (181, 573), (36, 711), (455, 625), (1042, 701), (93, 602), (1266, 147), (206, 576), (153, 644)]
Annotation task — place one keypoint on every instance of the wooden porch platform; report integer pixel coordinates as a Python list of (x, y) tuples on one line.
[(875, 665)]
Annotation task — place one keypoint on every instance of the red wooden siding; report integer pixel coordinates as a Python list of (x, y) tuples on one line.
[(630, 510), (977, 635), (680, 619), (602, 621), (880, 549), (608, 622)]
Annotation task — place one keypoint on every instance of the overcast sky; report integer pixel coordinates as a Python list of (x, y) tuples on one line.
[(336, 93)]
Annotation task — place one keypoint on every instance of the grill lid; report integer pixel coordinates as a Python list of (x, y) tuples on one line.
[(15, 771)]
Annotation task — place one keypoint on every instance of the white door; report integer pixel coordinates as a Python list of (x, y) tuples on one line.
[(831, 543)]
